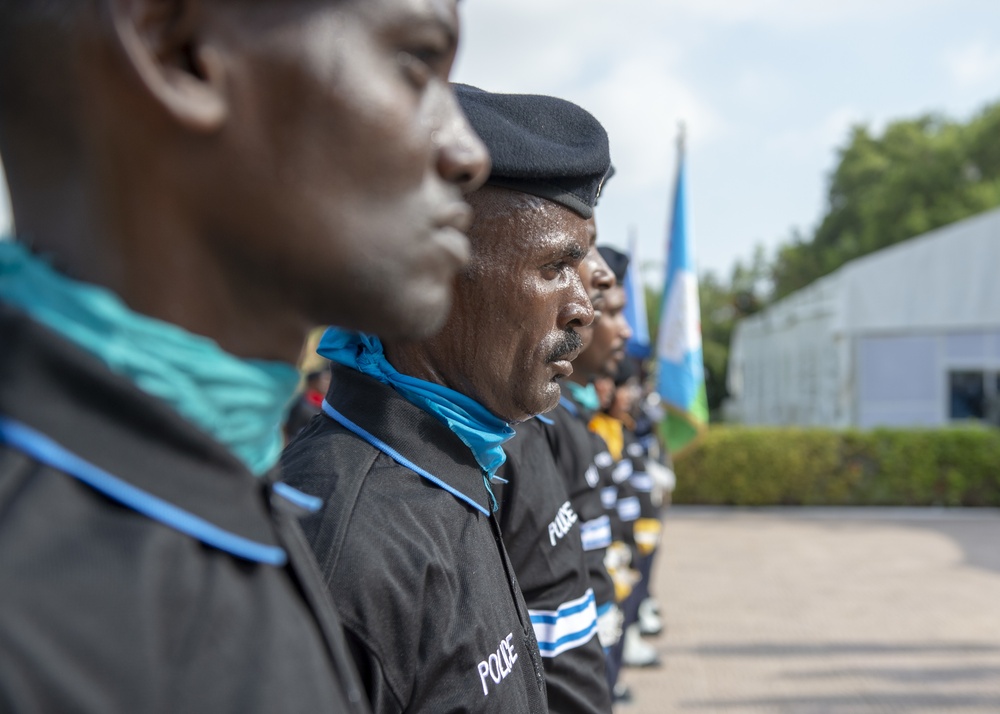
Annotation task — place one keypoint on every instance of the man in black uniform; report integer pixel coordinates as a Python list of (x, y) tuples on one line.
[(583, 459), (542, 533), (412, 432), (195, 185)]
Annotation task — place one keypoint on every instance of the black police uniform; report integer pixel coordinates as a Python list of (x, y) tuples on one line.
[(575, 449), (639, 479), (542, 534), (412, 556), (642, 483), (143, 568)]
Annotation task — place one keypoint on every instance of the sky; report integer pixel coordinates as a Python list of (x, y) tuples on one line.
[(767, 89)]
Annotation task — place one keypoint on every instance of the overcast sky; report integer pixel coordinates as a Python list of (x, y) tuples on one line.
[(767, 89)]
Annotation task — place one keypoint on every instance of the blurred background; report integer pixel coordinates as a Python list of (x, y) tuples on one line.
[(833, 547)]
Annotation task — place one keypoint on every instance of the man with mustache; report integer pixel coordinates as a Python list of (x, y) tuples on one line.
[(622, 493), (195, 184), (542, 531), (412, 431), (585, 464)]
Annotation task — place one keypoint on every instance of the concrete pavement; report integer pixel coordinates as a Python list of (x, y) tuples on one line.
[(826, 611)]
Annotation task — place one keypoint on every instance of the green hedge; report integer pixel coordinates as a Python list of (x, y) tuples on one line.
[(755, 466)]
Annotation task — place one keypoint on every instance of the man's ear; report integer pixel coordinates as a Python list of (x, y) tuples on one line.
[(174, 58)]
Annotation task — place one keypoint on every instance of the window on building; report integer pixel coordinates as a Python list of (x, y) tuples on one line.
[(974, 395)]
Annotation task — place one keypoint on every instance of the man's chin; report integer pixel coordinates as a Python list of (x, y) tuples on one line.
[(612, 365), (415, 320), (548, 397), (545, 400)]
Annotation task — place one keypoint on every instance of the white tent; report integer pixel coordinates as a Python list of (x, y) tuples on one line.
[(907, 336)]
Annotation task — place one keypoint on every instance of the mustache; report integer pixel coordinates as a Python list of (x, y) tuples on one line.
[(569, 342)]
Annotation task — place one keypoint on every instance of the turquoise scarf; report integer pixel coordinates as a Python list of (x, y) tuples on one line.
[(471, 422), (585, 396), (241, 403)]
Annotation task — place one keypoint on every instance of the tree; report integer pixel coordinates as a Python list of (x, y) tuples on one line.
[(920, 174)]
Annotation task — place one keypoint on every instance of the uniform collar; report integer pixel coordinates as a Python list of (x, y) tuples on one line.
[(65, 408), (407, 434)]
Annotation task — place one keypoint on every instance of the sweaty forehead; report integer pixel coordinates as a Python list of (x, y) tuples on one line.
[(505, 218), (445, 11)]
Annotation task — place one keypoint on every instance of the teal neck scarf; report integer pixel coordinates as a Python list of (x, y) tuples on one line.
[(470, 421), (585, 396), (241, 403)]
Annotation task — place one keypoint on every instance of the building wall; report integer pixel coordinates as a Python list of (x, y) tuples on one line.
[(915, 379)]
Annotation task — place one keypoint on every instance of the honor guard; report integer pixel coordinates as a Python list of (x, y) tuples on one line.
[(412, 432), (536, 508), (577, 445)]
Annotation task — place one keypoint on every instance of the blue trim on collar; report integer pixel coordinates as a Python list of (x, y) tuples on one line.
[(44, 449), (544, 419), (569, 406), (396, 456), (297, 497)]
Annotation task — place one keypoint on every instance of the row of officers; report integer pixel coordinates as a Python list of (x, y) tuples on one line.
[(469, 522), (488, 535), (578, 501)]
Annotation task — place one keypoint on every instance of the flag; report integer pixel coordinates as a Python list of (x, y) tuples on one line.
[(681, 381), (635, 306)]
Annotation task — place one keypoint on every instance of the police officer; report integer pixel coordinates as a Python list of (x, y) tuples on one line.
[(542, 533), (178, 233), (412, 431), (588, 467), (632, 494)]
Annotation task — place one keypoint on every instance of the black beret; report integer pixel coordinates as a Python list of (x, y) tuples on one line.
[(541, 145), (616, 260)]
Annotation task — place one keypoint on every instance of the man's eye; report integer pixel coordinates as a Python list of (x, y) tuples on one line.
[(417, 65), (554, 270)]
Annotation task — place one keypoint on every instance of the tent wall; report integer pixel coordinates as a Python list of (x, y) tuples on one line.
[(876, 342), (787, 366), (904, 380)]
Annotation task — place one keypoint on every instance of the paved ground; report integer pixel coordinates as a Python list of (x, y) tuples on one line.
[(827, 611)]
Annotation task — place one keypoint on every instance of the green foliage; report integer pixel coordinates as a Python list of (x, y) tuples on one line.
[(919, 175), (885, 467)]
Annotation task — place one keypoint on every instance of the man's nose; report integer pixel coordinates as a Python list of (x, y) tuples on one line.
[(462, 158), (601, 277), (578, 310)]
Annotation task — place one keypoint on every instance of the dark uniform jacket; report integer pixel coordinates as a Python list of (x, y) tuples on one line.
[(412, 556), (575, 448), (640, 481), (142, 567), (542, 534)]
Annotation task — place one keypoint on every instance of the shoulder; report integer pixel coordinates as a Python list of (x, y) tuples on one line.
[(94, 589)]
